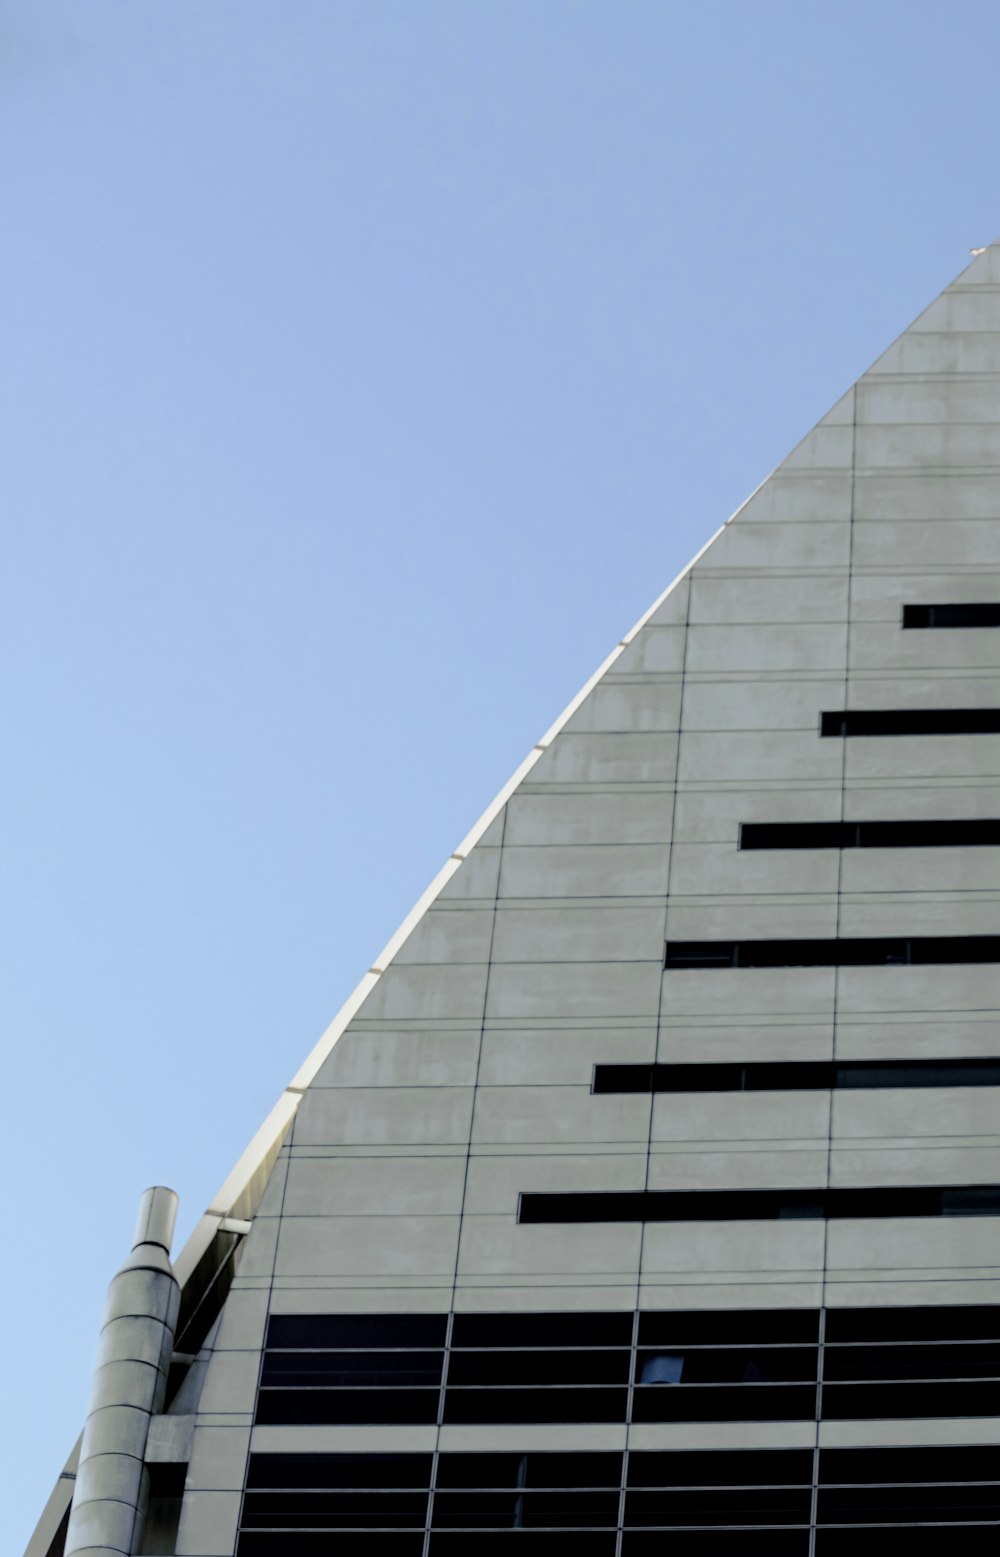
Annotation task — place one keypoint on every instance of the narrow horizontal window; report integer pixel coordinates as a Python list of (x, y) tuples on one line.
[(735, 1542), (718, 1506), (536, 1469), (844, 951), (344, 1332), (975, 1322), (907, 1503), (727, 1365), (866, 1402), (961, 1360), (981, 832), (380, 1370), (682, 1469), (979, 613), (543, 1329), (535, 1405), (910, 721), (526, 1510), (920, 1073), (319, 1471), (967, 1462), (800, 835), (797, 1076), (752, 1205), (334, 1510), (345, 1406), (929, 1540), (721, 1403), (729, 1327), (539, 1367), (518, 1543), (314, 1543)]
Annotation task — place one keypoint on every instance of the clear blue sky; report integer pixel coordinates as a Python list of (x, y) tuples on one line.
[(365, 370)]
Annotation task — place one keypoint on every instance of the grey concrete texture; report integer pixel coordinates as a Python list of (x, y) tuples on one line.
[(106, 1476), (168, 1441), (218, 1459), (105, 1525), (130, 1336), (118, 1382), (208, 1524)]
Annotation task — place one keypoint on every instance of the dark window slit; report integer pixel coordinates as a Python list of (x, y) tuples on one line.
[(796, 1075), (981, 832), (842, 951), (761, 1205), (843, 723), (979, 613)]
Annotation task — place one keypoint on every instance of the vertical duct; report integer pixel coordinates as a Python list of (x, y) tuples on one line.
[(130, 1380)]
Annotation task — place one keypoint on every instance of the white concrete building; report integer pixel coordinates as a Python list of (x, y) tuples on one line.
[(647, 1192)]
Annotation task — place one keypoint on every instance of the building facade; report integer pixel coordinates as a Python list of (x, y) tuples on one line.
[(646, 1195)]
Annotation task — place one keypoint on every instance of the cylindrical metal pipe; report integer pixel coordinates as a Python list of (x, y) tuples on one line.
[(130, 1380), (157, 1215)]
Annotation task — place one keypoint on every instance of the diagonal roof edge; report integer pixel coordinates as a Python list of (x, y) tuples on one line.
[(225, 1201), (267, 1138), (239, 1194), (274, 1126)]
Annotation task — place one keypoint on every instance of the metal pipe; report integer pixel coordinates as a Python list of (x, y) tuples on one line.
[(130, 1379)]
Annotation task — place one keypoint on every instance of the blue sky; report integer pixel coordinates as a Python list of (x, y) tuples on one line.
[(366, 370)]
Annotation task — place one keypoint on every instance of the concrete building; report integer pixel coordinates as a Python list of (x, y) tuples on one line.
[(646, 1194)]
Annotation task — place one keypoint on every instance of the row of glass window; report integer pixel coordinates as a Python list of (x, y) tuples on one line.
[(844, 951), (656, 1327), (797, 1076), (740, 1500), (760, 1205), (971, 1540), (696, 1365), (593, 1509), (702, 1370), (670, 1469), (848, 722), (954, 833), (740, 1403)]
